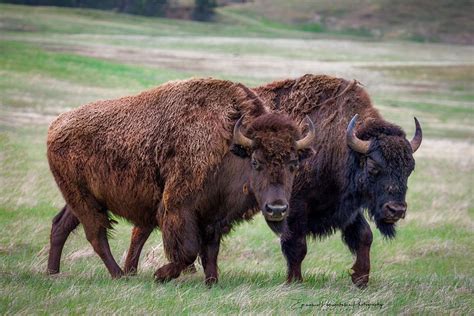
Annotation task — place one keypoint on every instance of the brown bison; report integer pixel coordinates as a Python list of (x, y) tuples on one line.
[(361, 162), (172, 157)]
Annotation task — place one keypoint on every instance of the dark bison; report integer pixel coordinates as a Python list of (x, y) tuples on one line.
[(172, 157), (361, 162)]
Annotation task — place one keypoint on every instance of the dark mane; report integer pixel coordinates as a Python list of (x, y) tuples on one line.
[(376, 128)]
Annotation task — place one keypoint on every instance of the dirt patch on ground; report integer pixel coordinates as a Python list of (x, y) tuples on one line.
[(205, 62), (85, 252), (456, 151), (261, 68), (14, 118)]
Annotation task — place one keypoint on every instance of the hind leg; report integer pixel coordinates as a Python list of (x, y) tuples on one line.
[(181, 241), (139, 237), (96, 234), (95, 220), (63, 224)]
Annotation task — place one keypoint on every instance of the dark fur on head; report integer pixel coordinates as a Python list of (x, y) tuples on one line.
[(392, 155), (275, 135)]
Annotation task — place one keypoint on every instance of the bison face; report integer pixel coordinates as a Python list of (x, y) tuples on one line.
[(271, 183), (385, 172), (384, 164), (274, 150)]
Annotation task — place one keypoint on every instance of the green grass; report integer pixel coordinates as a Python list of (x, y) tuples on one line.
[(84, 21), (51, 61), (421, 21), (26, 59)]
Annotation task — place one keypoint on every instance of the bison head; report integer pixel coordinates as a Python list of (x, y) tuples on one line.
[(383, 163), (274, 148)]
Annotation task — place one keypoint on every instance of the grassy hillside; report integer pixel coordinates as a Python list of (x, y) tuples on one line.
[(424, 20), (52, 60)]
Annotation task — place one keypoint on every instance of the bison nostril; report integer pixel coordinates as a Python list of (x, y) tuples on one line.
[(268, 209), (396, 209), (276, 209)]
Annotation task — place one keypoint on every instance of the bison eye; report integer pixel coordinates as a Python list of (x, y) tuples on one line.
[(374, 171), (293, 165), (255, 164), (372, 167)]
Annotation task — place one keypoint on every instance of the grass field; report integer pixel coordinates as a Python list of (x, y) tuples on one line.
[(52, 60), (423, 20)]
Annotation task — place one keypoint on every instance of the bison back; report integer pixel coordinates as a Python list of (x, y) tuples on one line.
[(134, 151)]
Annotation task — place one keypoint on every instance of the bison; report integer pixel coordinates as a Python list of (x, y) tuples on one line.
[(175, 157), (361, 162)]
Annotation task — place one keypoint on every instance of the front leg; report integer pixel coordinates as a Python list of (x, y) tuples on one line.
[(209, 252), (293, 241), (358, 238), (294, 248), (181, 241), (139, 237)]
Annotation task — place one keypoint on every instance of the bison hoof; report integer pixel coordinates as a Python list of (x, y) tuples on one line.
[(210, 281), (294, 279), (117, 274), (52, 271), (360, 280), (130, 271), (167, 273)]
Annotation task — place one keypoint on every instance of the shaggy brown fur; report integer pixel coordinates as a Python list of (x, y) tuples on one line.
[(182, 128), (337, 182), (162, 158)]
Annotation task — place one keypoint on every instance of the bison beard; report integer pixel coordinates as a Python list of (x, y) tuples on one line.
[(117, 156), (365, 167)]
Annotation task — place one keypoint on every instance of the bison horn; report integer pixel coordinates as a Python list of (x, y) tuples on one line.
[(357, 144), (416, 141), (239, 138), (308, 139)]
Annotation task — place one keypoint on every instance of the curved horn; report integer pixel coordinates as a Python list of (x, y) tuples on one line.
[(416, 141), (239, 138), (306, 141), (357, 144)]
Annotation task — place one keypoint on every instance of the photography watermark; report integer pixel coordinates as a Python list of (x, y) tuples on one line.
[(325, 305)]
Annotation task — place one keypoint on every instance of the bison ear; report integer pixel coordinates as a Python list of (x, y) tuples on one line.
[(239, 150), (305, 153)]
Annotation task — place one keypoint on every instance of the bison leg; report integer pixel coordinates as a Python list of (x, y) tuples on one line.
[(63, 224), (358, 238), (95, 221), (139, 237), (97, 236), (294, 248), (209, 253), (181, 241), (293, 240)]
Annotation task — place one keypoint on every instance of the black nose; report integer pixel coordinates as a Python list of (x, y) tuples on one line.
[(276, 210), (395, 209)]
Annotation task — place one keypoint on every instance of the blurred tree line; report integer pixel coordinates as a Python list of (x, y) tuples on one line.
[(202, 10)]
